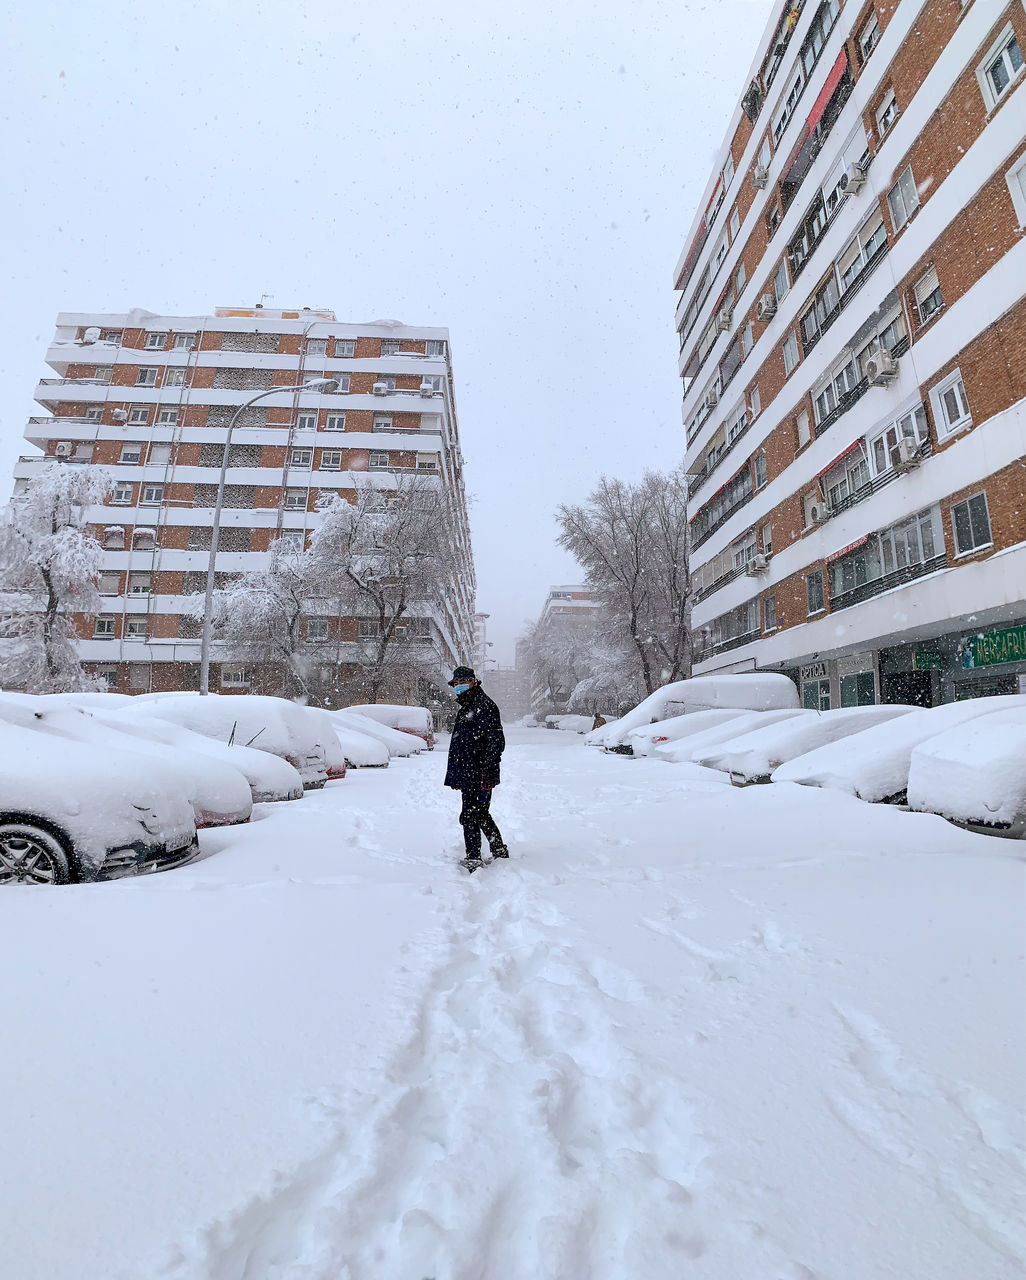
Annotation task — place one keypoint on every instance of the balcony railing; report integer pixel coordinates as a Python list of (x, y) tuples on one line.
[(857, 281), (896, 578), (712, 462), (875, 485), (722, 581), (722, 520)]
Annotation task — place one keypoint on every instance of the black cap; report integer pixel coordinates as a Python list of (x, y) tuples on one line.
[(461, 675)]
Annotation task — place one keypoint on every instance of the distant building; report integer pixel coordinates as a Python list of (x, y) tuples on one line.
[(510, 688), (568, 612), (481, 645), (852, 327)]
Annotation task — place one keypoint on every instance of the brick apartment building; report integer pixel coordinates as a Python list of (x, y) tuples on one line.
[(567, 610), (852, 322), (150, 398)]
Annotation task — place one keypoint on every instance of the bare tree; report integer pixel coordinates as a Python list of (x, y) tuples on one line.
[(631, 541), (49, 566)]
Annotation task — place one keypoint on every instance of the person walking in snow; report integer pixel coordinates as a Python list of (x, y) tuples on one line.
[(475, 751)]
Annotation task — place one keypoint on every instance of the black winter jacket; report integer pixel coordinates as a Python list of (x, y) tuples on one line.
[(477, 743)]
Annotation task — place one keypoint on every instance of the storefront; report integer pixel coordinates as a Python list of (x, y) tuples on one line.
[(975, 664)]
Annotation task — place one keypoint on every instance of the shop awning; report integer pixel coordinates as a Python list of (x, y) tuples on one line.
[(852, 448), (852, 546), (827, 92)]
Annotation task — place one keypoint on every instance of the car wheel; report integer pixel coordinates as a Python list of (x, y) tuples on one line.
[(31, 855)]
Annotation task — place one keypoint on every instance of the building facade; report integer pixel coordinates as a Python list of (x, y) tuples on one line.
[(559, 653), (852, 324), (149, 398)]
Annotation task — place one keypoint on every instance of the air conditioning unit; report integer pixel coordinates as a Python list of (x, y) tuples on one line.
[(381, 388), (427, 388), (881, 368), (120, 415), (905, 455), (724, 320), (712, 398), (91, 335), (63, 449), (766, 307), (820, 513), (853, 179), (760, 176), (758, 564)]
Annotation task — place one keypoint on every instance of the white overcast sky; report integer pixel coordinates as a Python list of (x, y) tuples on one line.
[(524, 174)]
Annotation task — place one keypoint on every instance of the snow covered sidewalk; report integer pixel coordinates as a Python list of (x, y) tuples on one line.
[(771, 1034)]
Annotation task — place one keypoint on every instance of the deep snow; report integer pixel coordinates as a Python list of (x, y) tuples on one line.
[(689, 1030)]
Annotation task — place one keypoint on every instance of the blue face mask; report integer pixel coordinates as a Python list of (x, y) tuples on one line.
[(460, 688)]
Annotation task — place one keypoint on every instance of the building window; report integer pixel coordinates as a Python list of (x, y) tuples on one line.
[(139, 414), (114, 537), (317, 346), (94, 413), (331, 459), (386, 380), (109, 676), (103, 627), (122, 496), (767, 539), (301, 459), (792, 94), (869, 37), (434, 347), (814, 592), (152, 495), (928, 296), (382, 422), (740, 278), (103, 373), (369, 629), (886, 113), (306, 422), (113, 336), (950, 406), (1016, 179), (790, 352), (139, 584), (292, 539), (747, 339), (167, 417), (972, 524), (144, 540), (389, 346), (345, 348), (781, 284), (862, 250), (832, 395), (184, 341), (343, 383), (139, 675), (820, 316), (755, 400), (160, 454), (883, 447), (317, 628), (137, 629), (769, 613), (903, 199), (110, 584), (130, 453), (336, 422), (801, 423), (816, 695), (234, 678), (378, 461), (174, 378), (759, 468), (427, 461), (146, 378), (432, 380), (155, 341), (295, 499), (1000, 68), (734, 223)]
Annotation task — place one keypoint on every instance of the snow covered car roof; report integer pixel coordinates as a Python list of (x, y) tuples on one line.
[(753, 756), (748, 692), (975, 774), (415, 720), (693, 747), (113, 813), (645, 740), (397, 742), (874, 764), (361, 750)]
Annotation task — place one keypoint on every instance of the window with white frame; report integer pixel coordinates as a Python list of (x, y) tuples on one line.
[(1016, 179), (143, 540), (139, 675), (155, 341), (747, 338), (787, 106), (137, 629), (122, 496), (767, 539), (883, 444), (146, 378), (130, 453), (139, 584), (343, 383), (744, 550), (110, 584), (814, 592), (317, 346), (174, 378), (734, 223), (160, 453), (836, 388), (769, 613), (369, 628), (759, 468), (971, 522), (427, 461), (755, 401), (114, 537), (345, 348), (434, 347), (929, 299), (728, 171), (846, 478), (720, 251), (292, 539), (381, 422), (83, 452), (869, 37), (791, 352), (167, 417), (736, 423), (184, 341), (1000, 68), (389, 346), (94, 413), (803, 429), (152, 495), (950, 405), (331, 459), (386, 380), (781, 284), (740, 278), (432, 380), (765, 153), (295, 499), (301, 459), (139, 413), (378, 461), (317, 628), (886, 113), (866, 244), (306, 422), (903, 199), (335, 422), (103, 373), (109, 676), (103, 627), (234, 678)]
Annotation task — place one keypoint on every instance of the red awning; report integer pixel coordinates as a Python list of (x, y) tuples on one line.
[(833, 80), (852, 546), (840, 458)]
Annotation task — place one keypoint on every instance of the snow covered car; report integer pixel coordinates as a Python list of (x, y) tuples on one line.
[(874, 765), (745, 692), (218, 793), (693, 747), (644, 741), (752, 757), (570, 724), (358, 750), (397, 744), (70, 812), (415, 720), (270, 778), (270, 724), (974, 774)]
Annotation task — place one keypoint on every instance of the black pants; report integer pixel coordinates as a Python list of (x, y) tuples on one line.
[(475, 819)]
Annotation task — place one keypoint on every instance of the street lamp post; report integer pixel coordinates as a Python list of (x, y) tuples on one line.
[(315, 384)]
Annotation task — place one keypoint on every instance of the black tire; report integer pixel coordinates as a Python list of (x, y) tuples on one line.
[(30, 854)]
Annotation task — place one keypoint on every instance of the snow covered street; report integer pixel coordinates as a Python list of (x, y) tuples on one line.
[(689, 1030)]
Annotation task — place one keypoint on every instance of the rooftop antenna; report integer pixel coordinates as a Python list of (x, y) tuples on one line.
[(265, 297)]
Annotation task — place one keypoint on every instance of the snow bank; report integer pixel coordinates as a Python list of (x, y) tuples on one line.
[(406, 719), (753, 756), (643, 741), (361, 750), (694, 746), (874, 765), (396, 742), (571, 724), (746, 692), (975, 773)]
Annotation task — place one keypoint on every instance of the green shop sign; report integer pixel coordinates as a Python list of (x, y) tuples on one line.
[(927, 661), (991, 647)]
